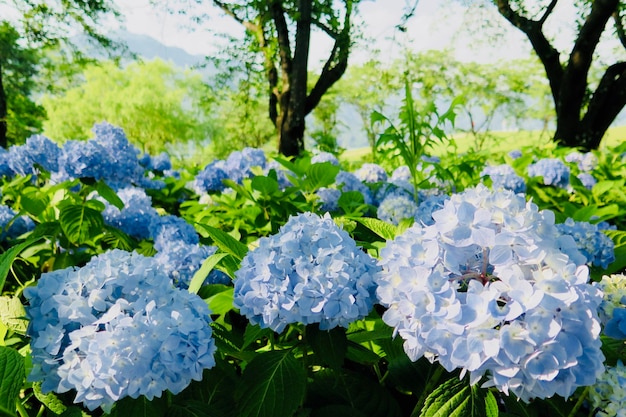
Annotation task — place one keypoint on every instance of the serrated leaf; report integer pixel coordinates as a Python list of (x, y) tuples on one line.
[(221, 303), (456, 398), (11, 377), (265, 185), (226, 242), (12, 314), (383, 229), (50, 400), (139, 407), (7, 258), (80, 222), (330, 346), (109, 194), (320, 175), (253, 333), (34, 201), (202, 273), (272, 385)]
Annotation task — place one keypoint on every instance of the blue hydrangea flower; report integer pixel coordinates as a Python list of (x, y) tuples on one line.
[(504, 177), (515, 153), (181, 260), (587, 180), (160, 162), (136, 216), (347, 181), (116, 328), (37, 150), (5, 168), (210, 179), (329, 197), (487, 289), (371, 173), (324, 157), (282, 174), (427, 206), (239, 164), (108, 156), (597, 247), (164, 229), (608, 395), (554, 172), (311, 271), (396, 207), (12, 225), (585, 162), (612, 310)]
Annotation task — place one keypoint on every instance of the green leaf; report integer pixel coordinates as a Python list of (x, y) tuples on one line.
[(383, 229), (265, 185), (253, 333), (140, 407), (320, 175), (226, 242), (12, 314), (7, 258), (34, 201), (456, 398), (12, 373), (202, 273), (109, 194), (80, 222), (330, 346), (272, 385), (50, 400), (221, 303)]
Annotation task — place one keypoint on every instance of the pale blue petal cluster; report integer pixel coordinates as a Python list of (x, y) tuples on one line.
[(311, 271), (585, 162), (324, 157), (608, 395), (347, 181), (38, 150), (396, 207), (612, 310), (136, 215), (427, 206), (371, 173), (487, 289), (160, 162), (181, 260), (210, 179), (597, 247), (587, 180), (553, 170), (329, 197), (116, 328), (12, 225), (164, 229), (515, 153), (239, 164), (108, 156), (504, 177)]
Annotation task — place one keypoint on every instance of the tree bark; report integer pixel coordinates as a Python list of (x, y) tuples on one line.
[(3, 114), (568, 82)]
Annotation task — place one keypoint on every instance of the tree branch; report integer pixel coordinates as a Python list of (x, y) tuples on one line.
[(282, 35), (335, 65), (548, 55), (608, 99), (619, 28)]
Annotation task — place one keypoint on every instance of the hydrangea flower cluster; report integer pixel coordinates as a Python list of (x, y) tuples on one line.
[(587, 180), (504, 177), (612, 310), (160, 162), (239, 164), (38, 150), (108, 156), (12, 225), (329, 197), (585, 162), (311, 271), (427, 206), (210, 179), (598, 248), (608, 394), (553, 170), (487, 289), (136, 216), (347, 181), (164, 229), (116, 328), (324, 157), (515, 154), (371, 173), (396, 207)]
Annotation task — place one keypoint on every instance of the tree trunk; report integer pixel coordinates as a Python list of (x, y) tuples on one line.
[(3, 114)]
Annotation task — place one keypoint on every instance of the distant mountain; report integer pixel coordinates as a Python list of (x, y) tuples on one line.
[(149, 48)]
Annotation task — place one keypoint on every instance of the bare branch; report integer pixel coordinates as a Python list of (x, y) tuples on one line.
[(619, 27), (549, 10)]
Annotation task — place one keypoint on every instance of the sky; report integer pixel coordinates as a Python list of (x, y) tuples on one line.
[(432, 27)]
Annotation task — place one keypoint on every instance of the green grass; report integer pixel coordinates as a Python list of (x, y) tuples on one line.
[(496, 142)]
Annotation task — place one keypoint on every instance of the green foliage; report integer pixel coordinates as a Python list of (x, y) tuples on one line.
[(11, 378), (155, 103)]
